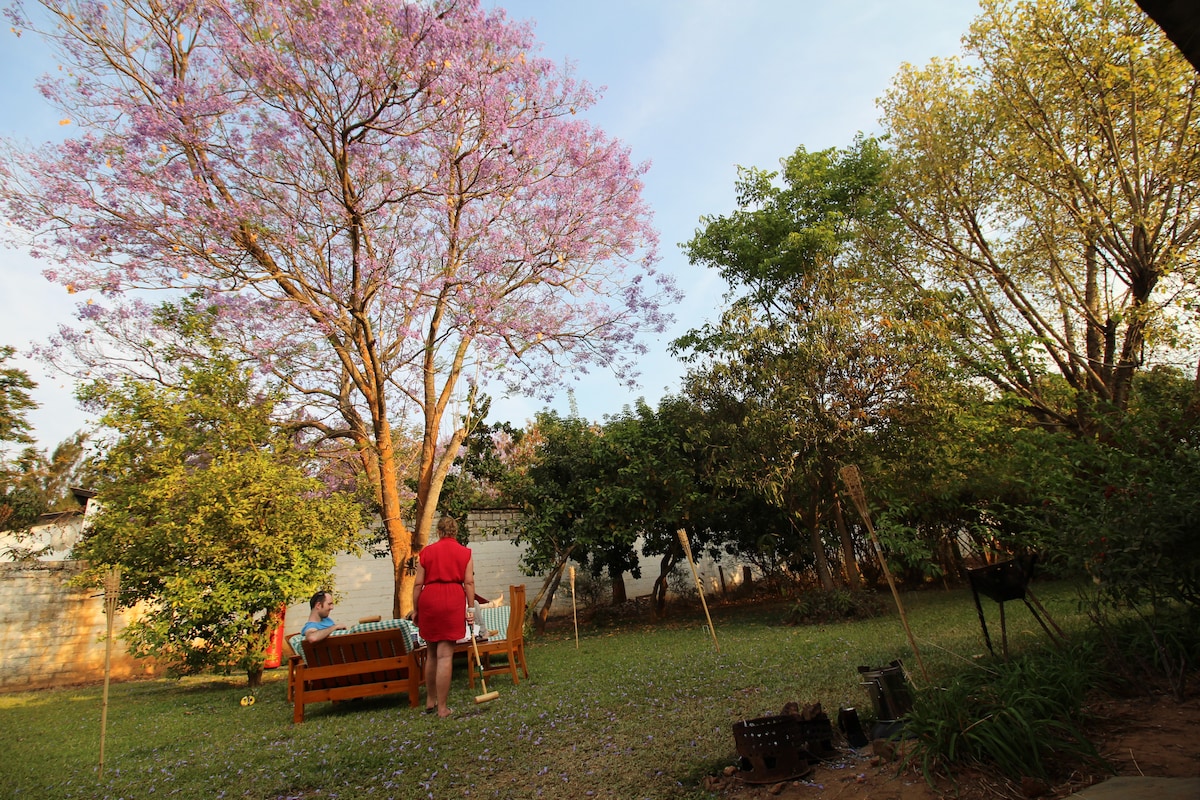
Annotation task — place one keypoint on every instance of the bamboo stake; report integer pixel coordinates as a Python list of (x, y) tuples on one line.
[(853, 482), (687, 550), (574, 612), (112, 591)]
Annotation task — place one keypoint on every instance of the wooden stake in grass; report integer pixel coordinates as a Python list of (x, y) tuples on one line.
[(853, 482), (687, 551), (112, 590), (574, 612)]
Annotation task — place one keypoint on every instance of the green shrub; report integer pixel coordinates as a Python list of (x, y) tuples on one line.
[(840, 605), (1146, 646), (1010, 716)]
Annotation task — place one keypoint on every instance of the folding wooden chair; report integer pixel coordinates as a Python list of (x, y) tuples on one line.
[(510, 642)]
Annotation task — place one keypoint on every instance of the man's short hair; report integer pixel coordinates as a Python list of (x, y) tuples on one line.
[(316, 598)]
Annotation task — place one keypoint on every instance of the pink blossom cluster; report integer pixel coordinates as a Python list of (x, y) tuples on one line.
[(370, 191)]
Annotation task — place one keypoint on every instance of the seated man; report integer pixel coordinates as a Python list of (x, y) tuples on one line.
[(319, 624)]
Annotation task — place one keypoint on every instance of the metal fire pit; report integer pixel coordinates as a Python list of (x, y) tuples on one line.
[(776, 748)]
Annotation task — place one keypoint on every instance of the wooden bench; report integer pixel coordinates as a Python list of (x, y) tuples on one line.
[(367, 660)]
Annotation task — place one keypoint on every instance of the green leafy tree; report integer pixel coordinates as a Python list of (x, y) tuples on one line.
[(17, 507), (557, 495), (592, 491), (34, 484), (1124, 509), (484, 469), (20, 501), (15, 386), (724, 514), (955, 478), (820, 345), (657, 480), (31, 483), (656, 484), (1128, 513), (1051, 184), (210, 511)]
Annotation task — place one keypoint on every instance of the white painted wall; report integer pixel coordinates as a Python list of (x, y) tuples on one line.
[(363, 586)]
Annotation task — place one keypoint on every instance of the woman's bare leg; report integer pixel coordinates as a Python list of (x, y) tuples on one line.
[(441, 678), (431, 670)]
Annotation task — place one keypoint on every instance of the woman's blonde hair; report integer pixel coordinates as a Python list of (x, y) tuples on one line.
[(447, 527)]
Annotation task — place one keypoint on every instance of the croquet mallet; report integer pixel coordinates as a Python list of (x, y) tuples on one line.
[(487, 696)]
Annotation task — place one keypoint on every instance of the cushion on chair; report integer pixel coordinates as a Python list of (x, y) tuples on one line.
[(296, 642), (495, 619)]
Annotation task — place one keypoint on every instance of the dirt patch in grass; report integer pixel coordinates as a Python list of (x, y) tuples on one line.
[(1147, 736)]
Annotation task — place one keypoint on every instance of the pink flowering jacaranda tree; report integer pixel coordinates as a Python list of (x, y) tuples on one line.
[(392, 204)]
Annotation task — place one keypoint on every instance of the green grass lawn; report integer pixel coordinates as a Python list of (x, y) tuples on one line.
[(638, 710)]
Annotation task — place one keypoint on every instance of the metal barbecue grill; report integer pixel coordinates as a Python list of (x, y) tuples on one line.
[(1005, 581)]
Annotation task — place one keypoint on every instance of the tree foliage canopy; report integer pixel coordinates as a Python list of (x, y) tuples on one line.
[(391, 203), (821, 347), (208, 509), (1051, 182), (15, 402), (592, 491), (31, 483)]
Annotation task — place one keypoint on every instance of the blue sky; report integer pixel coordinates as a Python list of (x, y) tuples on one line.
[(696, 87)]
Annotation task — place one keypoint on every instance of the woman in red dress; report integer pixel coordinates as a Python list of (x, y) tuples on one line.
[(445, 579)]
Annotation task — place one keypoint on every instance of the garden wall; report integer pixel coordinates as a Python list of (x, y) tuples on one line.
[(61, 629), (363, 585), (55, 632)]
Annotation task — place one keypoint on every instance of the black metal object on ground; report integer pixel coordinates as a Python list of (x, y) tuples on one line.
[(1005, 581), (889, 691), (851, 727), (781, 747)]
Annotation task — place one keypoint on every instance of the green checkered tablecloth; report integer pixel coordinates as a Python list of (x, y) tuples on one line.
[(408, 629), (297, 644)]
